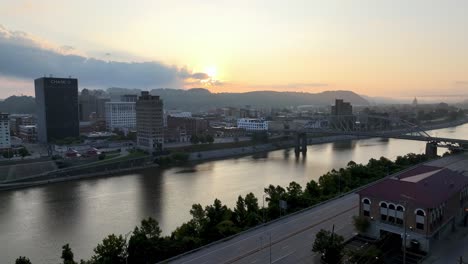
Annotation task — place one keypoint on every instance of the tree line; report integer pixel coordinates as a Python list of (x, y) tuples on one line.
[(213, 222)]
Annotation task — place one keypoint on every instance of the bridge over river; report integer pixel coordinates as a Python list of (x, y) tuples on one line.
[(368, 126)]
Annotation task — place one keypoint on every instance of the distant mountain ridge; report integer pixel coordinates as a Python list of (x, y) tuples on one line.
[(201, 99)]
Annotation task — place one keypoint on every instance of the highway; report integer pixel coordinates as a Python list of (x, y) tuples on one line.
[(288, 240)]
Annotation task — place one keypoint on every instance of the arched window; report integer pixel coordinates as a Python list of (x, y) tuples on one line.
[(420, 218), (400, 214), (391, 213), (383, 211), (366, 206)]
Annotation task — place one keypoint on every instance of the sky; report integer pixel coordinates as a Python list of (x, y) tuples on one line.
[(394, 48)]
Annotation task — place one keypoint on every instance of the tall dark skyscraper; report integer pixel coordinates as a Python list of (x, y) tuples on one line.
[(57, 108)]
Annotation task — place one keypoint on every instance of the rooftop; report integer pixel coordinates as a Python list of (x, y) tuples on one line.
[(426, 185)]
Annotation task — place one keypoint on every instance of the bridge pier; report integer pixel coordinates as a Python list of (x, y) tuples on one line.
[(301, 143), (431, 149)]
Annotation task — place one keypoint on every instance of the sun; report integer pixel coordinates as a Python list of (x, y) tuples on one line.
[(211, 71)]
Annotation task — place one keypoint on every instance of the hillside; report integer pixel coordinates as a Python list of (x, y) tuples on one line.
[(201, 99), (198, 98), (18, 105)]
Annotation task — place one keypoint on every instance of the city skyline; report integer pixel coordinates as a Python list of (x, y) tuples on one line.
[(376, 48)]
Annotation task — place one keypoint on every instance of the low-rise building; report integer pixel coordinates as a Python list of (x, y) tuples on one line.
[(252, 124), (120, 115), (28, 133), (425, 203)]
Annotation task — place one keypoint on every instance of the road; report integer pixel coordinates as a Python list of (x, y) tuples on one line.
[(291, 237)]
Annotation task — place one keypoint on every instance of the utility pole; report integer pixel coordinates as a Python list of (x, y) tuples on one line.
[(404, 233)]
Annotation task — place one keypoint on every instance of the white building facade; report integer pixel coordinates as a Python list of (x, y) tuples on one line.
[(120, 115), (252, 124), (5, 140)]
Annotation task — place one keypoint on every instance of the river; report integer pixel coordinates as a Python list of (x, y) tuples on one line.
[(37, 221)]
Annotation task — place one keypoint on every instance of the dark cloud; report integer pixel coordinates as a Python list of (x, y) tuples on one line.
[(200, 76), (23, 56)]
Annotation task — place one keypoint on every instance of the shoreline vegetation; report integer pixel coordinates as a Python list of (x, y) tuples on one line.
[(211, 223)]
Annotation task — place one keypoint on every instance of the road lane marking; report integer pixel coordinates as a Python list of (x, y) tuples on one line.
[(285, 247), (283, 257), (288, 236)]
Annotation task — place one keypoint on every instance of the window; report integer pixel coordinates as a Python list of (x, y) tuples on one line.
[(366, 207), (391, 213), (400, 214), (383, 211), (420, 218)]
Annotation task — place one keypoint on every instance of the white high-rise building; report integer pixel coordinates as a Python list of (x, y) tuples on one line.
[(120, 115), (252, 124), (5, 140)]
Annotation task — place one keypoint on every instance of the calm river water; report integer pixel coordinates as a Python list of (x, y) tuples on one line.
[(37, 221)]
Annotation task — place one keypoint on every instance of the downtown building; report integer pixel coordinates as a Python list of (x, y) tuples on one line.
[(341, 108), (120, 116), (57, 108), (5, 139), (253, 124), (149, 123)]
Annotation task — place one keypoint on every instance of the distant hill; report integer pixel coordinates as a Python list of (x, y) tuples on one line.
[(199, 98), (18, 105)]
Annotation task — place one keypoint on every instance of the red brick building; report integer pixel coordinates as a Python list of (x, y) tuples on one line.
[(430, 201)]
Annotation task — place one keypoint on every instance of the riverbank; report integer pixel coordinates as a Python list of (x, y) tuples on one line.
[(145, 163), (194, 157)]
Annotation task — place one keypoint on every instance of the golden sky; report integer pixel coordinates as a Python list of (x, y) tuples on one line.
[(373, 47)]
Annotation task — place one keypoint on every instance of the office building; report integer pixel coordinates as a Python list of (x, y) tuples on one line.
[(341, 108), (5, 139), (57, 108), (252, 124), (149, 122), (129, 98), (120, 115)]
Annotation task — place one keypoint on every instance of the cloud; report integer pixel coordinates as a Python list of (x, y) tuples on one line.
[(461, 83), (200, 76), (26, 57)]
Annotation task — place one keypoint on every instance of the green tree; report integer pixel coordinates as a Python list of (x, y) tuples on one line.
[(274, 195), (367, 255), (209, 139), (67, 255), (112, 250), (194, 139), (146, 245), (22, 260), (23, 152), (240, 213), (361, 223), (7, 154), (202, 139), (312, 189), (329, 245), (253, 210)]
